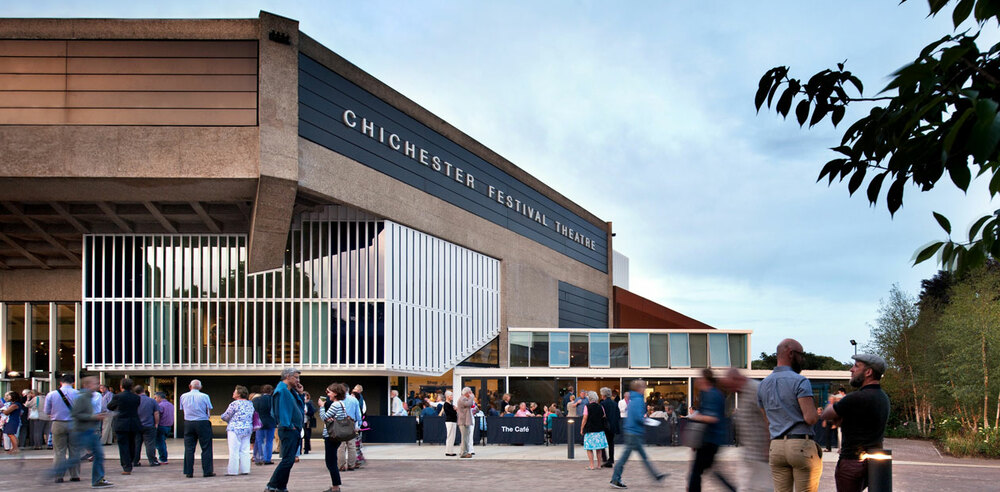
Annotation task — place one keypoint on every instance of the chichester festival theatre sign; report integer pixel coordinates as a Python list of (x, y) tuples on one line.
[(459, 176)]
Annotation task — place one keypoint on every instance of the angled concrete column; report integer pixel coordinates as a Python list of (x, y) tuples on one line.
[(278, 120)]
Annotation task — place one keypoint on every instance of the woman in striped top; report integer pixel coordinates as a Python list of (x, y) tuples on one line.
[(333, 410)]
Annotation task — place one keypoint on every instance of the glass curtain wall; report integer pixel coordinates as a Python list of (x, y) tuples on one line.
[(161, 301)]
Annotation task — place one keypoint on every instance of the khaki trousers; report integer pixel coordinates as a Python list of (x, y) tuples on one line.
[(61, 446), (347, 454), (796, 464)]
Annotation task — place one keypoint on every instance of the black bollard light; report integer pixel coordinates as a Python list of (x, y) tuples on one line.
[(570, 438), (879, 470)]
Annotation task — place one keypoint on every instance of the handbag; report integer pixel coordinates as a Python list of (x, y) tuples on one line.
[(342, 429), (694, 434), (257, 424)]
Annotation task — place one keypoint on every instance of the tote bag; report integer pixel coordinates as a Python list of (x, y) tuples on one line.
[(341, 430)]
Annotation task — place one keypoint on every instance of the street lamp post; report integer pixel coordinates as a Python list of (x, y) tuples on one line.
[(855, 344), (570, 438)]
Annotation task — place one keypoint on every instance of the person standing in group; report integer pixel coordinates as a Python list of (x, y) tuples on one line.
[(13, 410), (751, 430), (58, 405), (833, 429), (711, 412), (359, 447), (396, 407), (623, 406), (286, 408), (450, 423), (128, 427), (164, 425), (107, 423), (614, 425), (634, 435), (263, 445), (197, 429), (464, 421), (38, 421), (786, 398), (85, 436), (569, 396), (310, 411), (149, 418), (336, 409), (347, 453), (239, 425), (592, 430), (862, 416)]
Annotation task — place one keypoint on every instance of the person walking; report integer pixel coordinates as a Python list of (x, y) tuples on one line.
[(359, 447), (149, 417), (13, 409), (164, 425), (614, 425), (85, 436), (239, 425), (450, 423), (334, 409), (347, 453), (107, 423), (197, 429), (38, 421), (287, 411), (862, 416), (128, 427), (634, 435), (58, 406), (592, 430), (751, 430), (786, 397), (711, 412), (263, 445), (464, 421)]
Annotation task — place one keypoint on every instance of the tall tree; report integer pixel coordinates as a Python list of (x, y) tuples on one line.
[(892, 337), (938, 115)]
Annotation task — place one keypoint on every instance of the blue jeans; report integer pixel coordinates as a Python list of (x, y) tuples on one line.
[(161, 440), (633, 442), (290, 440), (263, 445), (89, 440)]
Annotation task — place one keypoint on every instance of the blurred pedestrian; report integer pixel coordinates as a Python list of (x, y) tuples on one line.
[(84, 436), (751, 429), (711, 412), (197, 429), (239, 425), (862, 416), (287, 408), (787, 400), (634, 435)]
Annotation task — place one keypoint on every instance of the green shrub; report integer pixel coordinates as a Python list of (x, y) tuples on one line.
[(984, 442)]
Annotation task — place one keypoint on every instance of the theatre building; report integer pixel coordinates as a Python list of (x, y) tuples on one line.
[(221, 199)]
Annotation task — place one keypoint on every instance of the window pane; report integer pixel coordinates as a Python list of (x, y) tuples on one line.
[(658, 350), (67, 337), (539, 349), (559, 349), (599, 352), (699, 349), (639, 349), (619, 350), (719, 349), (40, 337), (738, 350), (520, 343), (679, 350), (15, 337), (578, 348)]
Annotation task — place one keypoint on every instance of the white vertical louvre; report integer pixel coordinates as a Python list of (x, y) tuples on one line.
[(444, 301)]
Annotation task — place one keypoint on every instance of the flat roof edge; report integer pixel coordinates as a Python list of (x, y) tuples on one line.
[(166, 29)]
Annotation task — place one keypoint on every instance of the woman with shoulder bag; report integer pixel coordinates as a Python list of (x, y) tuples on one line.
[(592, 429), (333, 410)]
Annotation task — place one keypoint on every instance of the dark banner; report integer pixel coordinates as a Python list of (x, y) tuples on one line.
[(515, 430), (391, 429), (435, 432)]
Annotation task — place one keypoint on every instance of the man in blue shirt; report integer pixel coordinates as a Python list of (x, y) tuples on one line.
[(287, 407), (197, 429), (711, 411), (58, 405), (786, 398), (634, 434)]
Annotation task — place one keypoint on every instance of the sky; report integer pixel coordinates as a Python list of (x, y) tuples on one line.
[(643, 114)]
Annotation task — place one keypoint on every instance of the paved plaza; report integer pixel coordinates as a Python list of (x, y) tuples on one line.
[(917, 466)]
